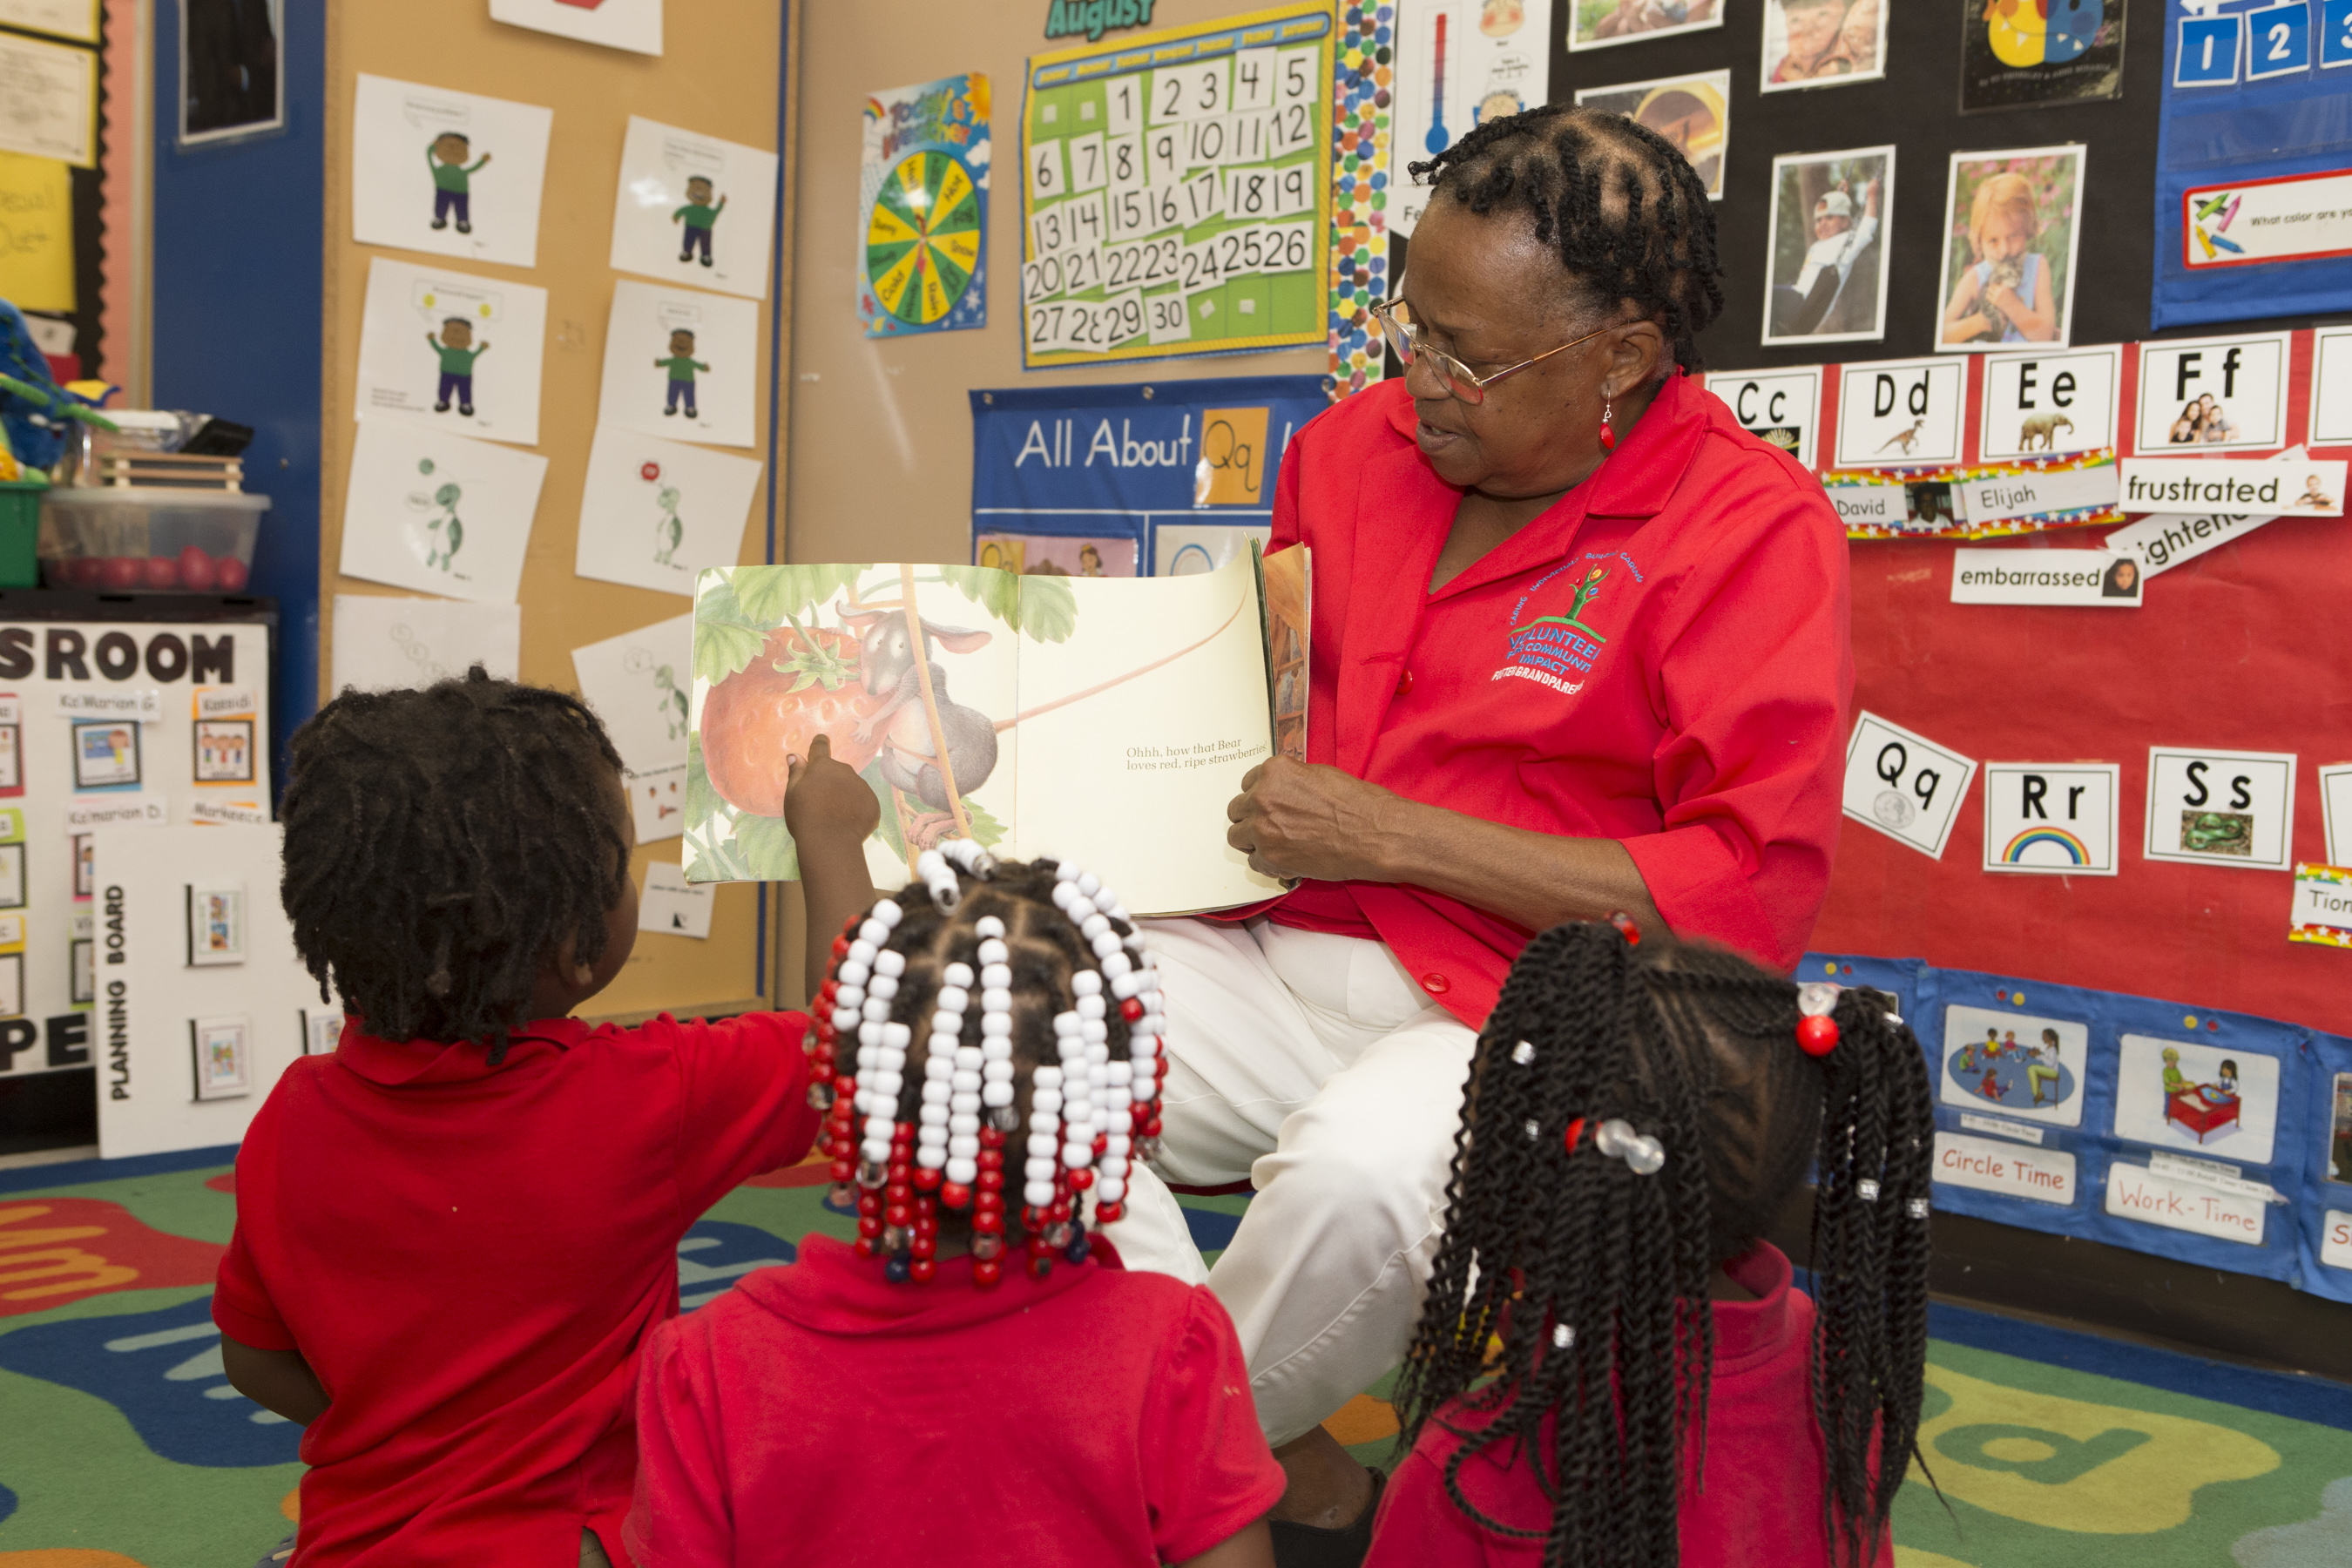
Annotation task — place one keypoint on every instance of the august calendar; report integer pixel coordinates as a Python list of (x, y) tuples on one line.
[(1173, 192)]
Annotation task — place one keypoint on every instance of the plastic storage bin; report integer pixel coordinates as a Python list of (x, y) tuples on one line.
[(125, 538), (20, 516)]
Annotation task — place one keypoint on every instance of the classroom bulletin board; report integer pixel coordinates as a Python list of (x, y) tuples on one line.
[(719, 79)]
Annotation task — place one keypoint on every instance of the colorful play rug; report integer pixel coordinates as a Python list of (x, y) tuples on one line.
[(122, 1444)]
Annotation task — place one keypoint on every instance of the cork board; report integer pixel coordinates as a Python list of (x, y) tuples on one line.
[(720, 74)]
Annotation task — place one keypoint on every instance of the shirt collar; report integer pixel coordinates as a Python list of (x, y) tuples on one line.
[(829, 1290), (396, 1064), (1747, 1333)]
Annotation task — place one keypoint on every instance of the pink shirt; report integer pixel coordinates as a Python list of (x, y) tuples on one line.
[(1765, 1465), (1661, 658)]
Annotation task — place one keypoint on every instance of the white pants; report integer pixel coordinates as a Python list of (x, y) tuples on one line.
[(1313, 1067)]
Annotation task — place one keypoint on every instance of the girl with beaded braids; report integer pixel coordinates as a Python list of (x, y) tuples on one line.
[(1612, 1369), (976, 1379)]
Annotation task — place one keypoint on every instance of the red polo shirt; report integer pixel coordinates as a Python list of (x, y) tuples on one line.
[(1765, 1466), (468, 1257), (1661, 658), (819, 1413)]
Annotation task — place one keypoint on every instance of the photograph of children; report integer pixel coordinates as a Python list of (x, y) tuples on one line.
[(12, 760), (2014, 1065), (12, 876), (1048, 555), (2220, 1099), (82, 969), (2023, 54), (85, 864), (224, 751), (2121, 580), (1693, 112), (2339, 1140), (216, 926), (1598, 24), (1827, 281), (106, 753), (1823, 43), (219, 1047), (2011, 222)]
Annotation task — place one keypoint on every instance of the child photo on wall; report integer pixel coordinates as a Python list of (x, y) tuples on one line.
[(2011, 224), (1827, 278), (1823, 43), (1693, 112), (1598, 24)]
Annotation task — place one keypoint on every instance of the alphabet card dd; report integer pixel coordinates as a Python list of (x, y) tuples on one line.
[(2212, 395), (1903, 785), (2052, 819), (2041, 405), (1901, 413), (2221, 808)]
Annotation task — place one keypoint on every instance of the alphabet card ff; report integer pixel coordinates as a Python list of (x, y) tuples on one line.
[(2204, 394), (1901, 413), (655, 513), (441, 515), (2221, 808), (452, 351), (2052, 819), (1903, 785), (680, 364), (2043, 404), (2006, 1063), (1782, 406), (450, 173), (694, 208)]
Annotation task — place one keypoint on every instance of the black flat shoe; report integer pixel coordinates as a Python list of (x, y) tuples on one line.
[(1305, 1546)]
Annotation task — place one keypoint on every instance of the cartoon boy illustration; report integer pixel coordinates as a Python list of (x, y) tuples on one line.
[(452, 179), (681, 365), (459, 351), (2175, 1080), (698, 215), (669, 529)]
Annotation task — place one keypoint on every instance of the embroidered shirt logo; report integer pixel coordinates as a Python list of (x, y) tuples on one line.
[(1557, 651)]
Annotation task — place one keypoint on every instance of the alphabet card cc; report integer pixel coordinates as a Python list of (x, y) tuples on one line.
[(2043, 404), (694, 209), (2221, 808), (1782, 406), (2052, 819), (679, 363), (2212, 395), (441, 515), (1901, 413), (450, 173), (655, 513), (451, 351), (1903, 785)]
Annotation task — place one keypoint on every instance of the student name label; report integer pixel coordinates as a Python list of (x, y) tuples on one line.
[(2163, 540), (2204, 394), (2137, 1193), (138, 810), (2322, 912), (2052, 819), (1903, 785), (224, 702), (144, 703), (2092, 488), (223, 814), (2091, 579), (2308, 486), (2041, 405), (2043, 1175), (2221, 808), (1887, 504), (1782, 406), (1901, 413)]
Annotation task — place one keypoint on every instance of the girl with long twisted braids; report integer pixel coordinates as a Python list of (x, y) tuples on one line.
[(975, 1379), (1612, 1369)]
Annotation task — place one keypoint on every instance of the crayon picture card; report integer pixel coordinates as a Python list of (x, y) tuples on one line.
[(655, 512), (694, 209), (449, 172), (451, 351), (441, 515), (681, 363)]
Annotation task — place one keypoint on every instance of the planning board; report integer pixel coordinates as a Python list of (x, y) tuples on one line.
[(1173, 192)]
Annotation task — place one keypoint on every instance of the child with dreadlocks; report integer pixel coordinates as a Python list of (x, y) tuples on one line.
[(454, 1231), (1662, 1393), (976, 1379)]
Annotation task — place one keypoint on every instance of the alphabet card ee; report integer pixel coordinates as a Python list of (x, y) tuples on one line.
[(1903, 785), (1901, 413), (2221, 808), (2052, 819), (2040, 404)]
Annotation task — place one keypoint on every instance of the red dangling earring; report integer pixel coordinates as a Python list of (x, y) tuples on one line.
[(1608, 436)]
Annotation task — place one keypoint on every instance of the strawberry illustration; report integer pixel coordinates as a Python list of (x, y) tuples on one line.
[(803, 685)]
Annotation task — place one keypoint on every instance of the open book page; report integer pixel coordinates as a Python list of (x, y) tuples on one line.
[(918, 697), (1288, 583), (1136, 732)]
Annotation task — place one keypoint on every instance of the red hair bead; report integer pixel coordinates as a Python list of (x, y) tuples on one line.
[(927, 1179), (840, 948), (1108, 1213), (954, 1194), (1131, 1010), (987, 1272), (1080, 1181), (922, 1269), (1619, 919), (1817, 1037)]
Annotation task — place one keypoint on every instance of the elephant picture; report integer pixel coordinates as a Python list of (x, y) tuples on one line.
[(2043, 428)]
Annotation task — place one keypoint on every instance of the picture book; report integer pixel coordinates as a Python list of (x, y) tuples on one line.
[(1106, 719)]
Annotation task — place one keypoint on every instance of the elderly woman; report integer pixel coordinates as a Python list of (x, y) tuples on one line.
[(1580, 650)]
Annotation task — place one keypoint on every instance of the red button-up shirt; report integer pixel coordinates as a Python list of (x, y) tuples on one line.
[(1661, 658)]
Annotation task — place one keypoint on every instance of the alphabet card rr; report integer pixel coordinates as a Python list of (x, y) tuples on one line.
[(1901, 413), (1903, 785), (2052, 819), (2221, 808)]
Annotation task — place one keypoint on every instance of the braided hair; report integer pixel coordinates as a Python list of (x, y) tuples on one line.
[(1594, 1277), (1617, 203), (444, 844)]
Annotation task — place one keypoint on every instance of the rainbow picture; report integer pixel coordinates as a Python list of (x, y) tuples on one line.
[(2075, 850)]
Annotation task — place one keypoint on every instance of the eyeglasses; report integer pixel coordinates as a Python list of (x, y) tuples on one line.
[(1410, 342)]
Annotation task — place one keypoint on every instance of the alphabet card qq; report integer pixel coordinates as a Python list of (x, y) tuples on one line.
[(1903, 785), (1901, 413), (2043, 404), (2221, 808), (2052, 819)]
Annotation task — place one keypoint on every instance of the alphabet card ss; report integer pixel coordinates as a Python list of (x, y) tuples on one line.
[(2221, 808), (2052, 819), (2041, 405), (1903, 785), (2212, 395), (1901, 413), (680, 364)]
